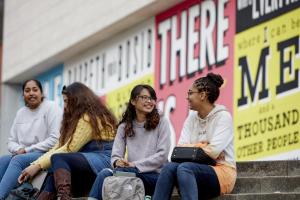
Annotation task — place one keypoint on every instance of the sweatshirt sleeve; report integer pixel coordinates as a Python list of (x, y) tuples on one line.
[(155, 161), (119, 146), (53, 121), (13, 144), (82, 135), (186, 131), (222, 135)]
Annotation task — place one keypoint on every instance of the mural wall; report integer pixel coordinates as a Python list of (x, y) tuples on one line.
[(52, 82), (266, 80), (254, 45)]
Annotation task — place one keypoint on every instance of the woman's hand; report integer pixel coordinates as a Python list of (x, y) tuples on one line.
[(20, 151), (130, 164), (121, 163), (29, 172), (199, 144), (124, 163)]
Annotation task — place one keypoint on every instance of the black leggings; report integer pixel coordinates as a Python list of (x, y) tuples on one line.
[(82, 175)]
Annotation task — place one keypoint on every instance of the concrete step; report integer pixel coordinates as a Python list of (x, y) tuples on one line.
[(268, 168), (261, 196), (265, 180), (267, 184)]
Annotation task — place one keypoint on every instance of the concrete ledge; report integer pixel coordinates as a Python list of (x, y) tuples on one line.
[(262, 196), (267, 184)]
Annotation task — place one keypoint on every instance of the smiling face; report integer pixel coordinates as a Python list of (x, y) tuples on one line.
[(195, 98), (144, 103), (32, 95)]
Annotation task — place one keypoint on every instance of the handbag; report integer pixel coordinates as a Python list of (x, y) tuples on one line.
[(28, 190), (191, 154), (123, 186), (39, 179), (25, 191)]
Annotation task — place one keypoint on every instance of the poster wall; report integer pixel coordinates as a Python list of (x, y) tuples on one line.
[(192, 39), (267, 84), (114, 67), (254, 45)]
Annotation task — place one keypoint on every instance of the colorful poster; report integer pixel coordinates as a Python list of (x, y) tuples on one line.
[(267, 82), (192, 39)]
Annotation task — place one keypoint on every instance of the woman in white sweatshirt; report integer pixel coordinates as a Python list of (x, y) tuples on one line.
[(211, 129), (34, 131)]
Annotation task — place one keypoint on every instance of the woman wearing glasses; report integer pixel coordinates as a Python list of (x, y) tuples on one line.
[(211, 129), (145, 135)]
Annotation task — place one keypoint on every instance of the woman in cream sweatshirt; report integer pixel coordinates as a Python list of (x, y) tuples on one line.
[(209, 126)]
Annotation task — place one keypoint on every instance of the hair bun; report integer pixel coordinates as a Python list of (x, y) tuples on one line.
[(216, 79)]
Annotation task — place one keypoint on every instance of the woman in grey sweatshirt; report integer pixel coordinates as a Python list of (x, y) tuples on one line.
[(142, 142)]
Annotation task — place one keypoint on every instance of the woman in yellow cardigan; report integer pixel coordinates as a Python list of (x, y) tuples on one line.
[(84, 147)]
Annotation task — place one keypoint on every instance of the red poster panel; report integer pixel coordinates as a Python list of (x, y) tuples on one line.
[(192, 39)]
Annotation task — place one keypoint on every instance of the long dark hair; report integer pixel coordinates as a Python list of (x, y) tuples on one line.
[(82, 100), (129, 115), (210, 84)]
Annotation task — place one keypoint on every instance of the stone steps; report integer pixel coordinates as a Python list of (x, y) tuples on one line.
[(267, 184), (265, 180), (268, 168), (261, 196)]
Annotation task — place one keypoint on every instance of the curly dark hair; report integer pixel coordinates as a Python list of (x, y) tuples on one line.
[(210, 84), (129, 115), (81, 101)]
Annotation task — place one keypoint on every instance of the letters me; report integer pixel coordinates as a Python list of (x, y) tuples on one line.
[(287, 67)]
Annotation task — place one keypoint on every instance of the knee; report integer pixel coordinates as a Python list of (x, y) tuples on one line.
[(16, 160), (184, 168), (104, 173), (169, 168), (56, 158), (5, 159)]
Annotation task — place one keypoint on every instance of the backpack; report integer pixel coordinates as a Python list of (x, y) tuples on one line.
[(122, 187), (24, 191)]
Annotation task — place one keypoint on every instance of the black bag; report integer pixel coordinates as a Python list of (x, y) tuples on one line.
[(191, 154), (25, 191)]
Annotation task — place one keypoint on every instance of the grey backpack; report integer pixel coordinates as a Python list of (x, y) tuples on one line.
[(123, 188)]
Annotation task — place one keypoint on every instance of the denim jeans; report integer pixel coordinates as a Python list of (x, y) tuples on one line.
[(11, 168), (195, 181), (149, 179)]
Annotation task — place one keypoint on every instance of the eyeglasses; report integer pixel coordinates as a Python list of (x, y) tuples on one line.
[(145, 98), (190, 92)]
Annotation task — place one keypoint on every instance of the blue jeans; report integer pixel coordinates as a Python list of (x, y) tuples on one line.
[(149, 179), (195, 181), (11, 168)]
